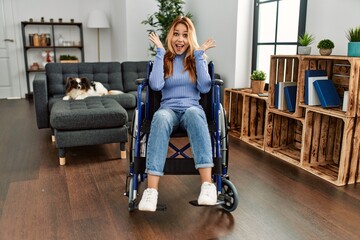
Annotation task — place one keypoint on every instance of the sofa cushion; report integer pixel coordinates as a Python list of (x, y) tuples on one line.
[(90, 113), (126, 100), (132, 71), (109, 74)]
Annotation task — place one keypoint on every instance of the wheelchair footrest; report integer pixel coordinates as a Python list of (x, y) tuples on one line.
[(195, 203), (161, 207)]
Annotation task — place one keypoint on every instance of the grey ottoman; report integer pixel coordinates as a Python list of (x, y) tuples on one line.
[(94, 120)]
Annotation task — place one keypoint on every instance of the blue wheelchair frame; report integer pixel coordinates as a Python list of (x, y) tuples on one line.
[(227, 192)]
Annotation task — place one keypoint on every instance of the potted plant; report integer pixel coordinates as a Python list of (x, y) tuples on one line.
[(325, 47), (68, 59), (257, 81), (160, 21), (305, 40), (353, 35)]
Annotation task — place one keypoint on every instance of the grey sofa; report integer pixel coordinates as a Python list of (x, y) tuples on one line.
[(94, 120)]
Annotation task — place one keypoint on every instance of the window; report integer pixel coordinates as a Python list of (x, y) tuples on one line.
[(277, 24)]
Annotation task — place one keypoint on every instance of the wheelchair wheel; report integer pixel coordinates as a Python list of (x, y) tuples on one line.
[(224, 136), (133, 132), (132, 190), (132, 203), (230, 195)]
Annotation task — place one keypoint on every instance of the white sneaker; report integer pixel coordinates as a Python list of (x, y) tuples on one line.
[(208, 194), (149, 200)]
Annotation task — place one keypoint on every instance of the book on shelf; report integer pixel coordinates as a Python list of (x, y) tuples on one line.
[(310, 96), (280, 101), (327, 93), (290, 96), (345, 101)]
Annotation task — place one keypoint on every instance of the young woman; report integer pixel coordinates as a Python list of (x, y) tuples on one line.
[(181, 73)]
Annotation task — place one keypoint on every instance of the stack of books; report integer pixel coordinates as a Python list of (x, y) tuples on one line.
[(285, 96), (319, 90)]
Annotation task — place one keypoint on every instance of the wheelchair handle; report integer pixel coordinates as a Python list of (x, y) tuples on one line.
[(141, 81), (219, 82)]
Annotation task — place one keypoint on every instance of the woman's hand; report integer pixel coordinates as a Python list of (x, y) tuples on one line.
[(210, 43), (154, 38)]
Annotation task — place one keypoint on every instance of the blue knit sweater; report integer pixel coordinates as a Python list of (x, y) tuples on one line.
[(178, 91)]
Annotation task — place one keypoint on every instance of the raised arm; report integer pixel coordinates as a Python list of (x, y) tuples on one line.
[(202, 72), (156, 79)]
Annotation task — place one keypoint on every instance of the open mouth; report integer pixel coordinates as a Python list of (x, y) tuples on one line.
[(179, 47)]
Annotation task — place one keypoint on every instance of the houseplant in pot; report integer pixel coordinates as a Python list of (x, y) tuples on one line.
[(68, 59), (353, 35), (305, 40), (325, 47), (257, 81)]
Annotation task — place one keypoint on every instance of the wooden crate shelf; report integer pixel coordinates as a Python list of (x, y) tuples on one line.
[(283, 137), (284, 69), (233, 103), (345, 73), (327, 146), (246, 114), (354, 172), (322, 141)]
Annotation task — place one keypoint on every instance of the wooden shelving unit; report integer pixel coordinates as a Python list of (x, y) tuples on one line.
[(283, 137), (52, 29), (246, 113), (324, 142)]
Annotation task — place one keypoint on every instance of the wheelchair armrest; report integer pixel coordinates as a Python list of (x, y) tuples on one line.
[(218, 82), (141, 81)]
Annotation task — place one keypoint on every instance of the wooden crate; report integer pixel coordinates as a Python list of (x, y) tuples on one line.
[(246, 114), (327, 146), (344, 71), (253, 120), (354, 172), (283, 137), (233, 104), (284, 68)]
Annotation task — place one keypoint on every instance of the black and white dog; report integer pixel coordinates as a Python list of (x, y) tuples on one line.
[(80, 88)]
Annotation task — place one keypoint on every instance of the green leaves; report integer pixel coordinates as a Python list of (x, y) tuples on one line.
[(306, 39), (326, 44), (353, 34), (258, 75)]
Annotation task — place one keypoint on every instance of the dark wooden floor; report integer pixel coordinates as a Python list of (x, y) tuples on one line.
[(84, 199)]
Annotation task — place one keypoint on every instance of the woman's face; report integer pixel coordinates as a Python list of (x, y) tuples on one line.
[(180, 41)]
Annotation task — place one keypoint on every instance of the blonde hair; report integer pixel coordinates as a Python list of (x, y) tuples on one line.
[(189, 60)]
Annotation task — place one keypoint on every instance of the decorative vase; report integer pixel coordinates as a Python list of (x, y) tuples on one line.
[(354, 49), (325, 52), (257, 86), (60, 40), (304, 50)]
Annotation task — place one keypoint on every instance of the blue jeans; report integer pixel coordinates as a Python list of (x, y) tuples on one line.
[(164, 122)]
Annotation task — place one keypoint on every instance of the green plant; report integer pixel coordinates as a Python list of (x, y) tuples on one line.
[(353, 34), (306, 39), (68, 57), (258, 75), (326, 44), (160, 21)]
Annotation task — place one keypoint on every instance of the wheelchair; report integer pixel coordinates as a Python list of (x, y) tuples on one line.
[(179, 163)]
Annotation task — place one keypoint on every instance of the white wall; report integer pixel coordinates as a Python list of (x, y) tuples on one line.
[(331, 19), (218, 20), (243, 44), (119, 22)]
